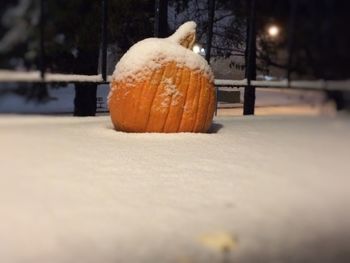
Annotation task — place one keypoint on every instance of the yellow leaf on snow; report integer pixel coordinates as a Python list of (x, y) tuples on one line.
[(221, 241)]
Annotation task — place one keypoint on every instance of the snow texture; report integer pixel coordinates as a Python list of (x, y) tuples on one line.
[(267, 189), (171, 92), (152, 53)]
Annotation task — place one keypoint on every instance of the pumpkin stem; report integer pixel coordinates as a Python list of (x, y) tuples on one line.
[(185, 35)]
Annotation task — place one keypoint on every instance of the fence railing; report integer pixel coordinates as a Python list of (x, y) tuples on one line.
[(35, 76), (42, 76)]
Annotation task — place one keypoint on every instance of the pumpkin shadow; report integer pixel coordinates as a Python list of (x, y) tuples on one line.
[(215, 128)]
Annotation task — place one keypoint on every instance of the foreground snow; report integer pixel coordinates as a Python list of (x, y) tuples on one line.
[(272, 189)]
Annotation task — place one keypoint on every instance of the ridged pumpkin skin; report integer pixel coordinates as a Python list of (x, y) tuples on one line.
[(171, 90), (172, 99)]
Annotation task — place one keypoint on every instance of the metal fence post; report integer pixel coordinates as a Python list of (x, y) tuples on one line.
[(249, 91), (161, 18), (291, 36), (104, 19), (42, 63)]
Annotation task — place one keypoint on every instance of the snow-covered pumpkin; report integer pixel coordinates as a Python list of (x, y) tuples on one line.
[(161, 85)]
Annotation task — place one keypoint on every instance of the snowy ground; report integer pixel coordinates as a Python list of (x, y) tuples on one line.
[(257, 189)]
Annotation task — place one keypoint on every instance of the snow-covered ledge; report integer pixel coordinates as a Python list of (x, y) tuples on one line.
[(267, 189)]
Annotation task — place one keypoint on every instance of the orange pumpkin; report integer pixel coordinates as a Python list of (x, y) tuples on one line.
[(160, 85)]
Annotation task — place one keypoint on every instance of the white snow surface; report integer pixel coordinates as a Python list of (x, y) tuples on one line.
[(75, 190), (152, 53)]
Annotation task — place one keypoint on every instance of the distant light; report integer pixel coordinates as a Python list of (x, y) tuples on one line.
[(266, 77), (273, 31), (196, 49)]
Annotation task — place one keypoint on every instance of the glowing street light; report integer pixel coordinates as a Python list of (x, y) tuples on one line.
[(273, 30)]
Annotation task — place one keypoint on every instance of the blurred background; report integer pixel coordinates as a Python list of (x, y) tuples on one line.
[(297, 49)]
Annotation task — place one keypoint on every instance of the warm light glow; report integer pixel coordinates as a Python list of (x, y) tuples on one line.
[(196, 49), (273, 31)]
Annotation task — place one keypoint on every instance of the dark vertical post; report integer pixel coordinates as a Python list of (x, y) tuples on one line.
[(216, 101), (211, 14), (291, 35), (161, 18), (156, 18), (329, 36), (249, 91), (104, 19), (42, 40), (87, 60)]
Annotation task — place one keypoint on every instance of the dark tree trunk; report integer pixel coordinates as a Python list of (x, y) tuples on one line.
[(249, 91), (161, 18)]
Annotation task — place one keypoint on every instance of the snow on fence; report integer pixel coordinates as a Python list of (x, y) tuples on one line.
[(35, 76)]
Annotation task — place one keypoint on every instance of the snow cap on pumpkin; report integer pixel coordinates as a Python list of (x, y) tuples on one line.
[(151, 54), (185, 35)]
